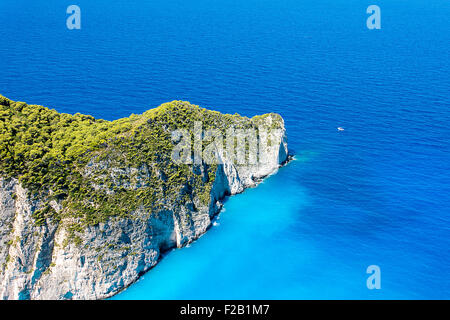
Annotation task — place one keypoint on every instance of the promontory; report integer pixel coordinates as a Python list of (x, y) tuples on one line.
[(88, 205)]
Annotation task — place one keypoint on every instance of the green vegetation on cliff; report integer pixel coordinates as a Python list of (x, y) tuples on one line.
[(97, 169)]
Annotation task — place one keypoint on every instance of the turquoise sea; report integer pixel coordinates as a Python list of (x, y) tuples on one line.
[(374, 194)]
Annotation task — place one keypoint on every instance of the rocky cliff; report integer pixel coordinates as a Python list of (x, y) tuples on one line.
[(94, 210)]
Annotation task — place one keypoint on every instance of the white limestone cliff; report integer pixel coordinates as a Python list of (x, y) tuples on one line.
[(36, 262)]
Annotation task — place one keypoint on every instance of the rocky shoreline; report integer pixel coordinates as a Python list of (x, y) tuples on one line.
[(69, 258)]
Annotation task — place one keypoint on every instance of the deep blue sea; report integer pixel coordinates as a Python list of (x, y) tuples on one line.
[(374, 194)]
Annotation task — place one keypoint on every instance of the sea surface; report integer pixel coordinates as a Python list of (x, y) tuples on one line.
[(376, 193)]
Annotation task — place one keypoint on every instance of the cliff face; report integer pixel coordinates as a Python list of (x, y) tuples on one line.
[(59, 259)]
